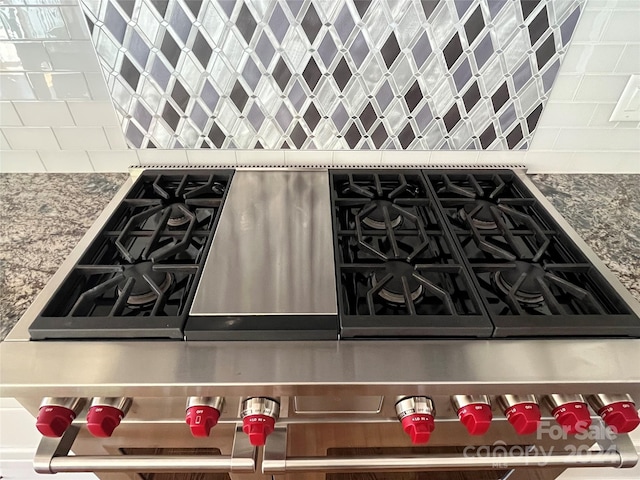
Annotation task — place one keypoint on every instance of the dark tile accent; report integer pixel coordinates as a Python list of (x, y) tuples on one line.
[(462, 6), (340, 117), (90, 24), (209, 96), (228, 6), (298, 135), (170, 49), (353, 135), (495, 6), (487, 137), (522, 75), (483, 51), (294, 6), (205, 144), (423, 118), (406, 136), (251, 73), (283, 117), (160, 6), (500, 97), (367, 117), (342, 74), (413, 96), (160, 73), (279, 23), (474, 25), (327, 50), (297, 95), (202, 50), (170, 116), (312, 117), (538, 26), (239, 96), (453, 50), (550, 75), (514, 137), (142, 115), (138, 49), (471, 96), (390, 50), (312, 74), (533, 117), (362, 6), (462, 74), (180, 22), (545, 51), (569, 25), (285, 146), (344, 23), (129, 72), (258, 146), (216, 135), (180, 95), (528, 6), (199, 116), (255, 116), (311, 23), (379, 135), (421, 50), (359, 49), (134, 135), (384, 96), (281, 74), (451, 118), (194, 6), (429, 6), (508, 117), (246, 23), (127, 6), (265, 50), (115, 23)]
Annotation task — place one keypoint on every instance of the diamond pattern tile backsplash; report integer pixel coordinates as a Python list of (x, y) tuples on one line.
[(329, 74)]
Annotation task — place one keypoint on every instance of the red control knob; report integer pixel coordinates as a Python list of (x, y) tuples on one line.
[(53, 420), (476, 417), (102, 420), (419, 427), (573, 417), (258, 427), (622, 417), (525, 417), (201, 419)]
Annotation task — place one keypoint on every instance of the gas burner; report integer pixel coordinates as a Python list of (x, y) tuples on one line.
[(530, 291), (142, 293), (483, 218), (177, 217), (375, 218), (393, 291)]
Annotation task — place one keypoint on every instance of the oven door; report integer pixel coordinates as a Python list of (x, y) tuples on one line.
[(381, 451), (152, 451)]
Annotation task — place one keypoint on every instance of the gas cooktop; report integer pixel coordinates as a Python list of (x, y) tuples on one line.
[(202, 254)]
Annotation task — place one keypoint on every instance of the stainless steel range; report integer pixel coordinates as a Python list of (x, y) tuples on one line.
[(329, 324)]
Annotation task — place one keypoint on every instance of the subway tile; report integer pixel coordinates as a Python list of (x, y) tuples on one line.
[(601, 88), (601, 114), (153, 156), (75, 56), (597, 139), (44, 114), (563, 114), (32, 56), (15, 161), (81, 138), (260, 157), (549, 162), (15, 86), (89, 114), (4, 144), (33, 22), (8, 115), (629, 61), (453, 157), (592, 58), (357, 157), (64, 161), (76, 23), (31, 138), (565, 87), (97, 86), (59, 86), (115, 136), (211, 157), (413, 158), (113, 160), (308, 158), (623, 27), (591, 25), (544, 138)]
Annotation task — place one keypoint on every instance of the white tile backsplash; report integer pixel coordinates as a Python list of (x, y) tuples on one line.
[(115, 137), (20, 161), (64, 161), (211, 157), (30, 138), (44, 114), (8, 115), (81, 138), (100, 113), (15, 86), (113, 160), (74, 56)]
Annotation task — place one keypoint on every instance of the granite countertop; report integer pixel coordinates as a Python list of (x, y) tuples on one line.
[(44, 216)]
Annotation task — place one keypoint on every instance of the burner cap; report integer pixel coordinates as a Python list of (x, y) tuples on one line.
[(177, 217), (393, 291), (142, 293), (375, 218), (530, 291), (482, 219)]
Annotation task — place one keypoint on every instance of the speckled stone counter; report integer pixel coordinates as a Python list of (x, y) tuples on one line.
[(44, 216)]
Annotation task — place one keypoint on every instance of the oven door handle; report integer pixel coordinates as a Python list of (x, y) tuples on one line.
[(622, 454), (52, 456)]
